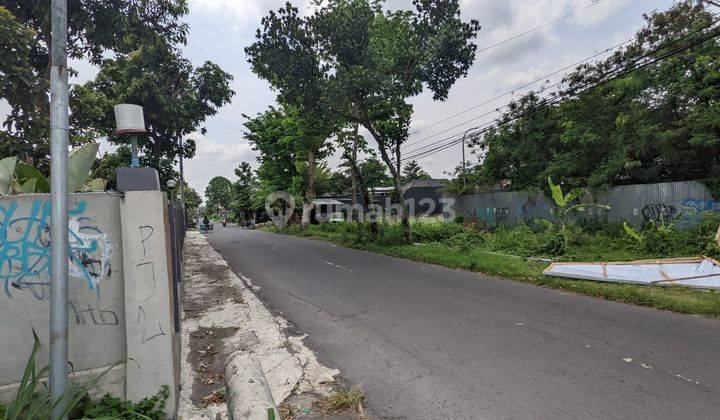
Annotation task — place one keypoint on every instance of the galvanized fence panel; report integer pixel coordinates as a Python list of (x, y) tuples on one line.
[(635, 204)]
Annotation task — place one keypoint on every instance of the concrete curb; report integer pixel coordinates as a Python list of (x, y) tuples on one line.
[(247, 393)]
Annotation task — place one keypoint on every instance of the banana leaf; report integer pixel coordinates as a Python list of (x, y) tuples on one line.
[(25, 173), (80, 163), (7, 171)]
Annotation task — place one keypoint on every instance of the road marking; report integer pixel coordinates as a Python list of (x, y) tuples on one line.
[(336, 266)]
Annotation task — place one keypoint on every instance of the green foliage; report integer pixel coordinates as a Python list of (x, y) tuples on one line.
[(21, 178), (413, 171), (176, 98), (32, 400), (638, 237), (7, 173), (375, 173), (656, 124), (97, 29), (219, 194), (243, 190), (564, 206), (116, 408), (80, 163), (360, 63)]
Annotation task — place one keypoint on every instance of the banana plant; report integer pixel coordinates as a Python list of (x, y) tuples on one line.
[(20, 178), (564, 202)]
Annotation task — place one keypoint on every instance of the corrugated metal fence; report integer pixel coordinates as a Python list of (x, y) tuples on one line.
[(636, 204)]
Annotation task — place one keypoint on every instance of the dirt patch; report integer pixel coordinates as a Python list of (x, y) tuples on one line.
[(206, 357), (210, 297)]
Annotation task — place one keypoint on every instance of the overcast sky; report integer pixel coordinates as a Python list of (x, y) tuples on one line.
[(220, 29)]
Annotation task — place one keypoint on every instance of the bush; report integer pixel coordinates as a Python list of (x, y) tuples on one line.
[(465, 240), (116, 408)]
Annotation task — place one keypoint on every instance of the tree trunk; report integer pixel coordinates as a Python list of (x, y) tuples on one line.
[(394, 168), (309, 192)]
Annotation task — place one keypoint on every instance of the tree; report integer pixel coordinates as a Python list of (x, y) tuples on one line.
[(413, 171), (192, 202), (338, 183), (218, 194), (375, 173), (657, 123), (106, 166), (290, 147), (364, 63), (276, 153), (176, 98), (244, 188), (96, 29)]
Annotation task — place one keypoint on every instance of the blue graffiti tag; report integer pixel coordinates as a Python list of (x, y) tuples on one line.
[(25, 248)]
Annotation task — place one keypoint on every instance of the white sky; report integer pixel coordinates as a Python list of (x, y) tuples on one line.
[(220, 29)]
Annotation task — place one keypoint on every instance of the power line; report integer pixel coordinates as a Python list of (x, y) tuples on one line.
[(638, 59), (454, 141), (529, 31), (535, 81), (514, 90)]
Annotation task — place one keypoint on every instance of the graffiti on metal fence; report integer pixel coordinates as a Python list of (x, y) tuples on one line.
[(656, 212), (701, 205), (501, 215), (25, 248)]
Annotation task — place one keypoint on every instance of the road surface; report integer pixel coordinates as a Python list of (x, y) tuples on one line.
[(429, 342)]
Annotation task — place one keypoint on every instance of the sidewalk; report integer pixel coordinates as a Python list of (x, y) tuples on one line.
[(222, 315)]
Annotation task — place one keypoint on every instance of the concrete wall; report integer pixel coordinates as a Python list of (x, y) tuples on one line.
[(108, 288), (636, 204)]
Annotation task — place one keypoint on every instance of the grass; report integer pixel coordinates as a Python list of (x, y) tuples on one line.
[(345, 398), (504, 253)]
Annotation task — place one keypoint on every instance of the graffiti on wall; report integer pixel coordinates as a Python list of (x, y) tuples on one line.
[(656, 212), (701, 205), (25, 248)]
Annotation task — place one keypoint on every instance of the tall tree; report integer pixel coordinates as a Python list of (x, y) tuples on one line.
[(96, 29), (176, 98), (218, 194), (413, 171), (375, 173), (244, 188), (364, 63), (617, 123), (291, 144)]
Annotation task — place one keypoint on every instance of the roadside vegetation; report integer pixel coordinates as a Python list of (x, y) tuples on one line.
[(523, 252), (32, 400)]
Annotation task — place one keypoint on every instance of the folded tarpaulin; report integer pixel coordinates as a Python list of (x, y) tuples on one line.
[(702, 273)]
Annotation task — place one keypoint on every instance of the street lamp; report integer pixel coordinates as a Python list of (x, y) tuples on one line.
[(129, 119), (463, 153), (171, 185)]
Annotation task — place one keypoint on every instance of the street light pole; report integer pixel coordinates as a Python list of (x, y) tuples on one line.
[(59, 204), (182, 181), (463, 154)]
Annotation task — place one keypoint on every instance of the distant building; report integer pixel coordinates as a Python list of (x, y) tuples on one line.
[(426, 194), (324, 208)]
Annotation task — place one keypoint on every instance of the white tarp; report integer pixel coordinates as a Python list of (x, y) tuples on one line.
[(703, 273)]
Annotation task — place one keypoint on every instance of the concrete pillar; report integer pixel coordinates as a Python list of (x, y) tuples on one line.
[(152, 345)]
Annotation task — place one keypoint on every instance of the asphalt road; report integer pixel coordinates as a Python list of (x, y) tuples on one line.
[(434, 343)]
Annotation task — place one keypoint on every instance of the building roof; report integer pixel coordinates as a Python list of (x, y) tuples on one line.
[(327, 202), (426, 183)]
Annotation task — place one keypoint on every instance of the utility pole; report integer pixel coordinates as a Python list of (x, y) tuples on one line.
[(59, 204)]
